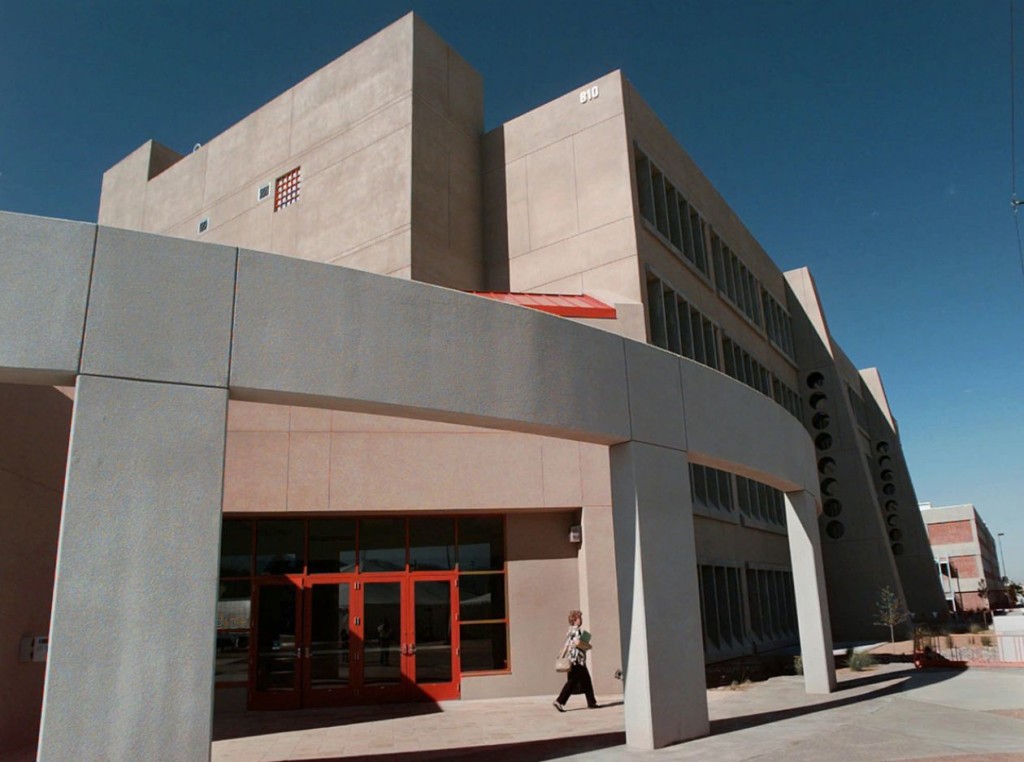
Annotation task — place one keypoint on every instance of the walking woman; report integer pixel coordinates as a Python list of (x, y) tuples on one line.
[(578, 679)]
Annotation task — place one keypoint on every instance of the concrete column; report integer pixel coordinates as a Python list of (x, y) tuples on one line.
[(130, 672), (659, 597), (811, 598)]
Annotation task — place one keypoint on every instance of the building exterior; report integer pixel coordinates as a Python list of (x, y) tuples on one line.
[(420, 532), (965, 556), (378, 162)]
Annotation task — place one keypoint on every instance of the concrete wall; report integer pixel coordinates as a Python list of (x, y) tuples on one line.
[(33, 457), (305, 459), (872, 536), (560, 211), (349, 127)]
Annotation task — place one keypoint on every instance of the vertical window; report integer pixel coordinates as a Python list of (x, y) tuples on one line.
[(286, 189), (643, 186), (660, 206), (656, 312), (672, 320), (707, 578), (697, 228), (483, 616)]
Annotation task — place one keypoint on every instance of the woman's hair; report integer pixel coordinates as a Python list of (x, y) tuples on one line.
[(574, 614)]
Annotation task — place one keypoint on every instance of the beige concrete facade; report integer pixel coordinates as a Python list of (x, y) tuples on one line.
[(397, 178)]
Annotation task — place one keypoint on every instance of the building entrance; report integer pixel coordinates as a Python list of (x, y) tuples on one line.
[(333, 639)]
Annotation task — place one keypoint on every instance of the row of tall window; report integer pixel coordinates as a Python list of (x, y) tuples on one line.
[(742, 366), (716, 489), (779, 324), (735, 281), (678, 326), (761, 502), (685, 231), (734, 614), (665, 208)]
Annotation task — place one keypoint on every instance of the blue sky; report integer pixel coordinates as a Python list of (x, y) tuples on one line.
[(867, 140)]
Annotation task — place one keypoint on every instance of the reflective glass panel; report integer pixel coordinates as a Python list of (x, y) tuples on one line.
[(332, 545), (381, 545), (236, 549), (481, 543), (483, 647), (276, 647), (233, 606), (433, 603), (382, 619), (329, 636), (481, 596), (431, 544), (279, 547)]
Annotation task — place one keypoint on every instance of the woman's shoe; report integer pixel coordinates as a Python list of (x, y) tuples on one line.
[(558, 706)]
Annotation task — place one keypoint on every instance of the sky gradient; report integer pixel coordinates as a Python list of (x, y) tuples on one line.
[(868, 141)]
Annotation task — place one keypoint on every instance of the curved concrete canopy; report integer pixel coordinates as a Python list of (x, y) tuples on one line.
[(283, 330)]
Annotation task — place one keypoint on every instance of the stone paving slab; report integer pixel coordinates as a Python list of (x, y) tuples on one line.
[(892, 712)]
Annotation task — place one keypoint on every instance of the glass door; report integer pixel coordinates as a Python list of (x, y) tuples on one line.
[(433, 643), (276, 653), (331, 656), (383, 640)]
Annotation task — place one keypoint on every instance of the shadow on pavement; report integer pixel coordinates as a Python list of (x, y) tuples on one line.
[(904, 680), (528, 751), (248, 724)]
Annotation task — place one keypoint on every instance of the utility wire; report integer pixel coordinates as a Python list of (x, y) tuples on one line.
[(1014, 203)]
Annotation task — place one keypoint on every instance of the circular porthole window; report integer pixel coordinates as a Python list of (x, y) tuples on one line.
[(884, 461), (897, 549), (889, 489), (820, 421), (895, 535), (828, 486), (882, 448), (817, 400), (815, 380), (832, 507), (891, 505), (892, 519), (827, 465), (823, 441), (835, 529), (887, 476)]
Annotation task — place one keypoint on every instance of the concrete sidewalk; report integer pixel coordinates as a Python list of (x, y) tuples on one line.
[(892, 712)]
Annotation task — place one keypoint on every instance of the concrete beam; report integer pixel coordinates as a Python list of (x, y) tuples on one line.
[(662, 643), (45, 267), (130, 666), (160, 309), (324, 335)]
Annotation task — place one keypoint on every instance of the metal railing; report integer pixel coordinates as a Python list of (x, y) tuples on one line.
[(983, 648)]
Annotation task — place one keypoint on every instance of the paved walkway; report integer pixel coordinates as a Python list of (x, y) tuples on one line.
[(892, 712)]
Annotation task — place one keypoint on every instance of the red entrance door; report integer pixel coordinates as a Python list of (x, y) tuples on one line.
[(327, 640)]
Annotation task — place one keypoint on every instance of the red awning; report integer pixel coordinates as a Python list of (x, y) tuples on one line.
[(566, 305)]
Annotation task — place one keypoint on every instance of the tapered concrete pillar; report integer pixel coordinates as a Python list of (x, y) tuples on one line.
[(659, 598), (811, 598), (130, 672)]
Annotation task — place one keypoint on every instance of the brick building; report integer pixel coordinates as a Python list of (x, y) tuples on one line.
[(965, 554)]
